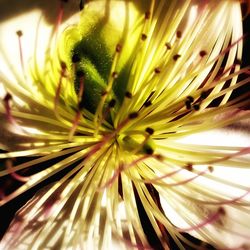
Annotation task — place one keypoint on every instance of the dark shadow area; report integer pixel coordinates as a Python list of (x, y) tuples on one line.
[(12, 8)]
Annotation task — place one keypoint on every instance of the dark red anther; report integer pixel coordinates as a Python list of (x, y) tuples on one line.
[(76, 58), (19, 33), (128, 95), (238, 62), (147, 104), (189, 166), (221, 211), (104, 93), (210, 169), (157, 70), (190, 99), (144, 37), (112, 103), (176, 57), (7, 97), (203, 53), (63, 65), (168, 46), (188, 105), (147, 15), (118, 48), (179, 34), (133, 115), (80, 73), (196, 107), (149, 130), (114, 75)]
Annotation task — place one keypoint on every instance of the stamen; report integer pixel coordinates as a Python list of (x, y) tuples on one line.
[(156, 180), (59, 18), (12, 172), (19, 35), (74, 125), (120, 169), (6, 100), (58, 90), (76, 121), (210, 220), (98, 118)]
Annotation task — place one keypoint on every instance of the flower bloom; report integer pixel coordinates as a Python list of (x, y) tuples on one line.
[(111, 98)]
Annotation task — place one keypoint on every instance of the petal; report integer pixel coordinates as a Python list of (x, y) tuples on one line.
[(230, 183)]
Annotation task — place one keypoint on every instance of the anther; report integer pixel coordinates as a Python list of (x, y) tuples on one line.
[(176, 57), (147, 104), (203, 53), (114, 75), (148, 150), (210, 169), (76, 58), (80, 73), (104, 93), (157, 70), (190, 99), (19, 33), (133, 115), (196, 107), (63, 65), (221, 211), (149, 130), (188, 104), (7, 97), (238, 62), (118, 48), (128, 95), (159, 157), (147, 15), (112, 103), (144, 37), (178, 34), (189, 167), (168, 46)]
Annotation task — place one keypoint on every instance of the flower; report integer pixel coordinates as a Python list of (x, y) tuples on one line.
[(111, 98)]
